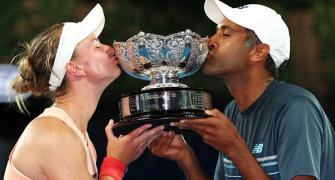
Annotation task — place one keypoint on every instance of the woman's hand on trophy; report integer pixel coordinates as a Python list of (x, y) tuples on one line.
[(129, 147)]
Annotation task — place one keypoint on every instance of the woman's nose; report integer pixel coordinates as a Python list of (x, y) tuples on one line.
[(109, 49)]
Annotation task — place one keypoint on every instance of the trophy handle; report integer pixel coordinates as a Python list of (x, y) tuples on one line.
[(204, 45)]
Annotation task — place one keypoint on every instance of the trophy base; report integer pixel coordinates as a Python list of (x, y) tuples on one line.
[(160, 106), (158, 118)]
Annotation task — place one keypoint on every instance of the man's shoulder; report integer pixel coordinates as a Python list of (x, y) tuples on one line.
[(284, 91), (292, 98)]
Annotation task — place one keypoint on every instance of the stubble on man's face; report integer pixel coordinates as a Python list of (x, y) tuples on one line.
[(211, 67)]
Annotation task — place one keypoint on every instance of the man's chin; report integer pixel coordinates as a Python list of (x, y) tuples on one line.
[(211, 72), (207, 71)]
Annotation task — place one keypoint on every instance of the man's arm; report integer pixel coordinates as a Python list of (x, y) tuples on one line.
[(218, 132)]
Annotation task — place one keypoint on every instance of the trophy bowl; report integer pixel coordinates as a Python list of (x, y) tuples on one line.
[(162, 60)]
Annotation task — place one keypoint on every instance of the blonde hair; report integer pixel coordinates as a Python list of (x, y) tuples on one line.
[(35, 65)]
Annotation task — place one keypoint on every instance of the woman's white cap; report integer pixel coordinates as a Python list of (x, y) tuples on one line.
[(264, 21), (72, 34)]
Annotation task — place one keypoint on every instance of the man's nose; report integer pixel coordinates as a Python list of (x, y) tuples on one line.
[(212, 44)]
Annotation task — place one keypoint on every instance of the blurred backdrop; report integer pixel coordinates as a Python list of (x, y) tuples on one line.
[(312, 62)]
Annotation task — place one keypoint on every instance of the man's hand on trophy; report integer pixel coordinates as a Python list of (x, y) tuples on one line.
[(129, 147), (217, 130), (168, 145), (174, 147)]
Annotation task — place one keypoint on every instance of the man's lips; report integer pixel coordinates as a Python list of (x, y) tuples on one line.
[(209, 56)]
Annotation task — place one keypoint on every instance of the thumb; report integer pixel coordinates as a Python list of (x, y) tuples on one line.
[(180, 138), (108, 129)]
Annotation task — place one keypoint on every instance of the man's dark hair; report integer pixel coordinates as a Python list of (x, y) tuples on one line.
[(253, 40)]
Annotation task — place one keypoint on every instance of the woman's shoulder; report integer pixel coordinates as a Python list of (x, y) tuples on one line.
[(44, 133), (46, 139), (45, 146), (50, 130)]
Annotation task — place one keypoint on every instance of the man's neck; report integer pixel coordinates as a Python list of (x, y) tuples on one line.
[(247, 90)]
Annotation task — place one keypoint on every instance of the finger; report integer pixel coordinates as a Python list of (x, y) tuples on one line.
[(155, 137), (199, 122), (140, 151), (208, 140), (163, 144), (182, 125), (181, 138), (148, 134), (139, 130), (202, 130), (215, 113), (157, 140), (108, 129), (176, 124)]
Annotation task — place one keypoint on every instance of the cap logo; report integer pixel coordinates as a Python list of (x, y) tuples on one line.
[(242, 7)]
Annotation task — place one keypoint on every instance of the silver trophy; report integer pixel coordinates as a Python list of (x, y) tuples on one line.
[(162, 60)]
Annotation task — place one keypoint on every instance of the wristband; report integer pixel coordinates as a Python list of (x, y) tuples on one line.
[(112, 167)]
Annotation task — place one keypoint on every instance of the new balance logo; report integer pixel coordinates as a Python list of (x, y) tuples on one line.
[(257, 148)]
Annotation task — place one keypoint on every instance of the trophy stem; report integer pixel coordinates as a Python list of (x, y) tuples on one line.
[(163, 80)]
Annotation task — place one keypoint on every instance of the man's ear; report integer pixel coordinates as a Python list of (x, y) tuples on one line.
[(259, 52), (75, 69)]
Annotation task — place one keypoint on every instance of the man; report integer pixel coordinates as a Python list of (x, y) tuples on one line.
[(271, 130)]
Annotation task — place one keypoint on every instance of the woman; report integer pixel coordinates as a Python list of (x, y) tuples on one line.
[(68, 62)]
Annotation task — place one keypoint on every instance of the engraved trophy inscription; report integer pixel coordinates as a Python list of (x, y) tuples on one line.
[(162, 60)]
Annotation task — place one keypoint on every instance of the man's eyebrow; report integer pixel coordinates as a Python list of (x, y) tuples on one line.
[(222, 26)]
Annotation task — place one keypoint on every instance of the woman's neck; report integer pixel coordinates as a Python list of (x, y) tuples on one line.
[(80, 105)]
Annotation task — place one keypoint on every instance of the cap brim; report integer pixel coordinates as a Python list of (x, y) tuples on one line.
[(217, 11), (93, 22), (214, 9), (72, 34)]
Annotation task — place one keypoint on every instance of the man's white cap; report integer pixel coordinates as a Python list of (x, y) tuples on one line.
[(264, 21), (72, 34)]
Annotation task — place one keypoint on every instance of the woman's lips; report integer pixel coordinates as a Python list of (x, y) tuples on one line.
[(115, 59)]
